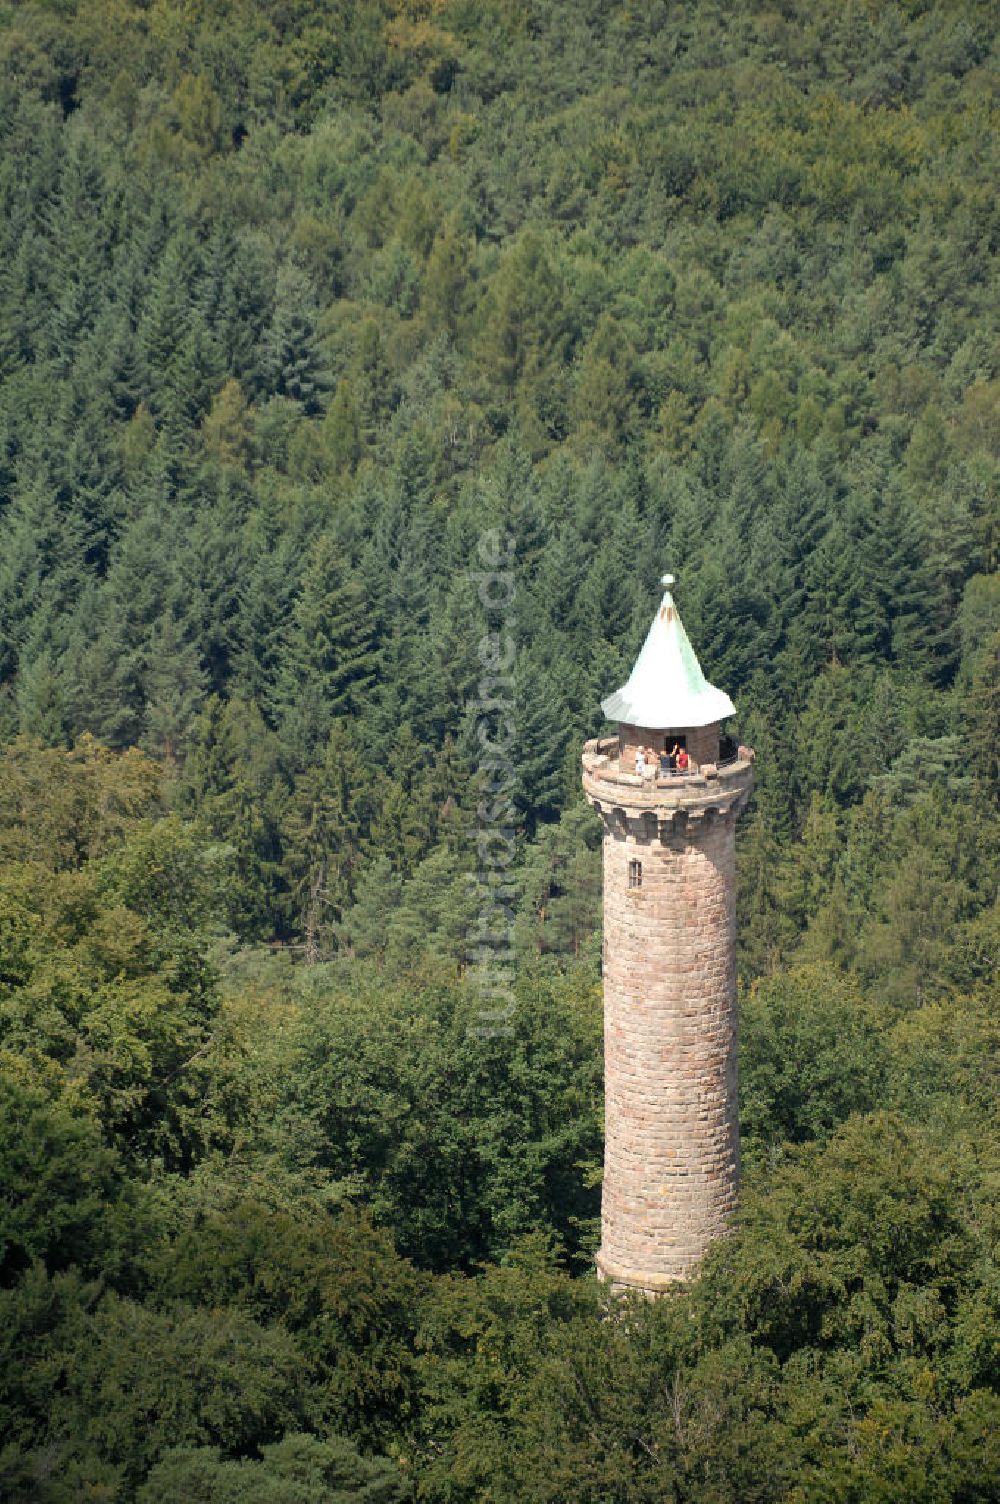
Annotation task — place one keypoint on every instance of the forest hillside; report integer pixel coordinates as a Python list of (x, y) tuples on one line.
[(309, 312)]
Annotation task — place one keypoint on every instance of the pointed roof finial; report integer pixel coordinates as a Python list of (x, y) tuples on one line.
[(667, 689)]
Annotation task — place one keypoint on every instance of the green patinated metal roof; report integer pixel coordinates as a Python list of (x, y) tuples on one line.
[(667, 689)]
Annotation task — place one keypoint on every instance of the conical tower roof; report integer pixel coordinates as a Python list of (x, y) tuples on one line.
[(666, 689)]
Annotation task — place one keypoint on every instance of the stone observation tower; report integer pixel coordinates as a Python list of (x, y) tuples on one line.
[(671, 1159)]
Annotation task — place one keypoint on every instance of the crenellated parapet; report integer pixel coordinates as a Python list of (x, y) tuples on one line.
[(672, 803)]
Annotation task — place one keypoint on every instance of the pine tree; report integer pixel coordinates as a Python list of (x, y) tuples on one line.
[(342, 430), (404, 827), (526, 323), (541, 734), (894, 560), (103, 674), (454, 667), (209, 568), (167, 313), (763, 930), (80, 220), (365, 928), (174, 683), (231, 781), (445, 280), (804, 509), (330, 657), (42, 565), (982, 711), (295, 366), (189, 380), (559, 883), (437, 910), (42, 709), (20, 331), (140, 582), (226, 430), (236, 299), (324, 828)]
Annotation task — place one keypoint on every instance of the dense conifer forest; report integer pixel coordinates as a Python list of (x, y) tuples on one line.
[(300, 300)]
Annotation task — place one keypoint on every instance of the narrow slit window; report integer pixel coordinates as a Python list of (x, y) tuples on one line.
[(635, 874)]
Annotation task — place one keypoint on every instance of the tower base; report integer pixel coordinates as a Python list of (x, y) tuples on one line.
[(641, 1281)]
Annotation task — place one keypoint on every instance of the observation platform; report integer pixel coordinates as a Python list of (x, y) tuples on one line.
[(671, 799)]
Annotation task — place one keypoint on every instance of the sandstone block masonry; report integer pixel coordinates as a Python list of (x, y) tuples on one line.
[(702, 742), (671, 1167)]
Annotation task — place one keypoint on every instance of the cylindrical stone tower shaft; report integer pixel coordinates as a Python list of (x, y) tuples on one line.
[(671, 1165)]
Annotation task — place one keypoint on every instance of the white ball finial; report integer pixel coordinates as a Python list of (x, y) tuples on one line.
[(667, 580)]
